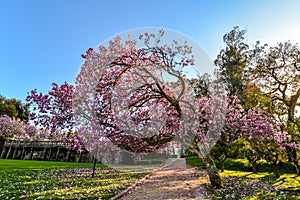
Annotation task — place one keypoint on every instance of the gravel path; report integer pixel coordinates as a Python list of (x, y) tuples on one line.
[(175, 180)]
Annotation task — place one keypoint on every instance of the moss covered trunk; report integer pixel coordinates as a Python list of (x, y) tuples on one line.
[(214, 176)]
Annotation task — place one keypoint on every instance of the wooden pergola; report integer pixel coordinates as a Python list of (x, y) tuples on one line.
[(41, 150)]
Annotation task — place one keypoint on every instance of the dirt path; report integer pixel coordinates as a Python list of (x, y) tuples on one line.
[(172, 181)]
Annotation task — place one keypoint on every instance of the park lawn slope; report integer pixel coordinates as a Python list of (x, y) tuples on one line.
[(60, 180), (6, 164)]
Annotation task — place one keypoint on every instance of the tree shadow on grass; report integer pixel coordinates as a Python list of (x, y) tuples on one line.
[(284, 182)]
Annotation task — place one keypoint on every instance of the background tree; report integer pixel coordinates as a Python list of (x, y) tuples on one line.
[(231, 130), (11, 127), (232, 63), (265, 138), (52, 112), (13, 108), (14, 129), (276, 70), (53, 115)]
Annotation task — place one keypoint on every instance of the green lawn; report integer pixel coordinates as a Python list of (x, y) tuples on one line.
[(239, 183), (61, 180), (33, 164)]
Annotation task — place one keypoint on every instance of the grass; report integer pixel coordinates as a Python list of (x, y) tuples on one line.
[(239, 183), (61, 180), (33, 164)]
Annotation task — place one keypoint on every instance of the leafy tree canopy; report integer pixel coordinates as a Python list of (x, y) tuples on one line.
[(13, 108)]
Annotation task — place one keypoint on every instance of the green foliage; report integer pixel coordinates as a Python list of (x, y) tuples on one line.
[(293, 129), (13, 108), (255, 98), (220, 150), (239, 148), (194, 161)]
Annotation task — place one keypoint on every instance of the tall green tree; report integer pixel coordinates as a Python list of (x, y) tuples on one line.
[(232, 62), (13, 108)]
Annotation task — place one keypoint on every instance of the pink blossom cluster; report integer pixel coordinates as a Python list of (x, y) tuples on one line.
[(257, 127), (53, 115), (52, 111), (264, 135), (11, 128)]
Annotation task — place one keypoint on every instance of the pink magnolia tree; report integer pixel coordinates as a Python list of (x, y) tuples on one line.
[(11, 128), (138, 99), (52, 111), (52, 114), (265, 138), (231, 129)]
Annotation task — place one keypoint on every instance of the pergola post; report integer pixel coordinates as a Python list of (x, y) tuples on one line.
[(3, 152), (68, 155), (50, 154), (23, 153), (45, 154), (57, 153), (8, 153), (15, 153), (31, 153)]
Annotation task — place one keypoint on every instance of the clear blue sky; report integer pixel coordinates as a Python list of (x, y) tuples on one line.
[(41, 40)]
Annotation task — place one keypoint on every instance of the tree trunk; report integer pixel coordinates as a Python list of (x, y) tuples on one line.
[(214, 176), (253, 164), (50, 154), (222, 160), (31, 153), (94, 167), (68, 155), (8, 153), (79, 157), (15, 153), (222, 165), (292, 105), (276, 170), (45, 154), (23, 153), (275, 167), (296, 167), (293, 158), (291, 119), (57, 154)]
